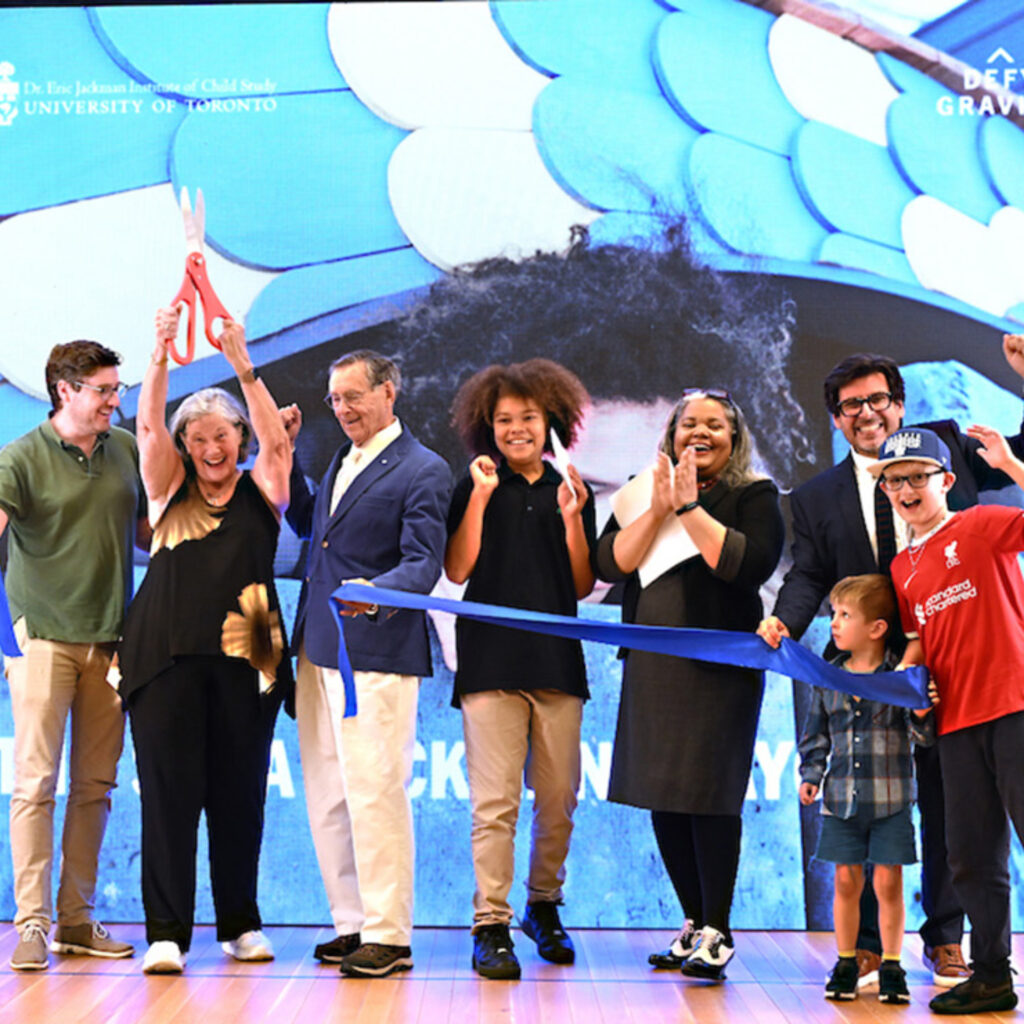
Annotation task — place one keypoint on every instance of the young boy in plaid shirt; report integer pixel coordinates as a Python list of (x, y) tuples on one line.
[(861, 749)]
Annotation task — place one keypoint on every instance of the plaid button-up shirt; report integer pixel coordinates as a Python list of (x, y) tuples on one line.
[(862, 749)]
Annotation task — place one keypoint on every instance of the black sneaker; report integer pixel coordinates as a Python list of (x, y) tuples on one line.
[(842, 982), (976, 996), (492, 953), (375, 960), (892, 983), (337, 949), (541, 923)]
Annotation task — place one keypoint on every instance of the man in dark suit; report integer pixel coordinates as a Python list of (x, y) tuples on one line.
[(379, 517), (841, 528)]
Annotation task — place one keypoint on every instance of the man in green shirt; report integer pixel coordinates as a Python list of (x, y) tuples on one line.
[(69, 491)]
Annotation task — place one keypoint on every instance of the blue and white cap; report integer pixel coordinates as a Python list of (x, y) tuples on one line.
[(912, 444)]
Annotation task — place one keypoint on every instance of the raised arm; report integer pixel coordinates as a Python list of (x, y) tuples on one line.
[(574, 508), (995, 450), (301, 500), (160, 463), (273, 463), (464, 542), (987, 475)]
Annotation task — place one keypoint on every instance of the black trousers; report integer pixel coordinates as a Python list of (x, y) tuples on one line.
[(983, 777), (202, 734), (701, 853), (943, 915)]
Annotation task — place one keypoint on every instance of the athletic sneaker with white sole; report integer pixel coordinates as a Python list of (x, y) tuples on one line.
[(249, 947), (163, 957), (708, 960)]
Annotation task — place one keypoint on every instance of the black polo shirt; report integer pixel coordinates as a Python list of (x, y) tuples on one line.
[(523, 563)]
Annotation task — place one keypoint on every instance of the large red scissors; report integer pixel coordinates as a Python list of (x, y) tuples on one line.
[(196, 282)]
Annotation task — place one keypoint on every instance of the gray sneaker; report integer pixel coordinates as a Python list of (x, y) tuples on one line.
[(30, 953), (89, 939)]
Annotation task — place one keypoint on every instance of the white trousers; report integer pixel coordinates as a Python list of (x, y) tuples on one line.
[(356, 772)]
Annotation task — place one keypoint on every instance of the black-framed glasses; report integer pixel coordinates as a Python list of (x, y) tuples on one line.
[(103, 390), (877, 401), (918, 481)]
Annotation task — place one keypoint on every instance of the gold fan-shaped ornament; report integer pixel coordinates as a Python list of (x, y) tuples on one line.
[(255, 634), (188, 519)]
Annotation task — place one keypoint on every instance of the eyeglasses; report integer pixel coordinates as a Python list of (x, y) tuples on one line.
[(103, 390), (895, 483), (878, 401), (349, 398)]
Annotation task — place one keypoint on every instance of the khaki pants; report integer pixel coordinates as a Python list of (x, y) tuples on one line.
[(508, 732), (356, 773), (48, 682)]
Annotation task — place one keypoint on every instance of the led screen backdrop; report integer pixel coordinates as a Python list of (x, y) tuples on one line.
[(351, 155)]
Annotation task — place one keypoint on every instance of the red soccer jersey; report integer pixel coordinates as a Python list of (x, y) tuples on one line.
[(963, 594)]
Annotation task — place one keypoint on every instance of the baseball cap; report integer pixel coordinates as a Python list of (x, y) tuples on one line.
[(912, 444)]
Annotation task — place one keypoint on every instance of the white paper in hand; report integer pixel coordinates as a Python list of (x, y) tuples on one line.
[(562, 461), (671, 544)]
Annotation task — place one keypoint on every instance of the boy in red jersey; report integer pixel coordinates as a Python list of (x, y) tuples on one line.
[(961, 600)]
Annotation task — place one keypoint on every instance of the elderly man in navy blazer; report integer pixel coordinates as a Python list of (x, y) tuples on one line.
[(378, 516), (842, 527)]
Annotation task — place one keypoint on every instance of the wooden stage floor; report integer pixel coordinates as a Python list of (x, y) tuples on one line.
[(775, 977)]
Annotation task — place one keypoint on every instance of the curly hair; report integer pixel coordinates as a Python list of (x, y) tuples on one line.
[(557, 391), (627, 319)]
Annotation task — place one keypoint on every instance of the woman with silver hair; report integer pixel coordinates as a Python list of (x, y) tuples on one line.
[(204, 658), (686, 729)]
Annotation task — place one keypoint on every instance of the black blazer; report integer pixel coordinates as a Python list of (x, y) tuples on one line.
[(830, 539)]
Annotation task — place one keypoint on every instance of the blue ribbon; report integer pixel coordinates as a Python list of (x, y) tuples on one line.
[(8, 642), (907, 688)]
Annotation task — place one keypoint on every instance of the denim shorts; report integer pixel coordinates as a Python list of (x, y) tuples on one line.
[(863, 839)]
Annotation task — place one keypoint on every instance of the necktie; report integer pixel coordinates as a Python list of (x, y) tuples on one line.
[(885, 529)]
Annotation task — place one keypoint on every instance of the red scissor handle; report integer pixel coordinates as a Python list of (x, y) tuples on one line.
[(195, 282)]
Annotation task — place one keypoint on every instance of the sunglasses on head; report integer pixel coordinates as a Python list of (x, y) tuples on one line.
[(719, 394)]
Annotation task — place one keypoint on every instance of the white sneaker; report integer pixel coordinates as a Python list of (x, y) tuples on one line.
[(708, 960), (681, 947), (249, 946), (163, 957)]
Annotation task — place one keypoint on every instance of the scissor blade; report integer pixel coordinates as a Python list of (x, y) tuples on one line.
[(199, 218), (193, 222)]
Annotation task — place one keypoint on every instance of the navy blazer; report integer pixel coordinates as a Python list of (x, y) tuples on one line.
[(389, 527), (830, 539)]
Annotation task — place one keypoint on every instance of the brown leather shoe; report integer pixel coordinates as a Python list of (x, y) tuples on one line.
[(947, 964), (867, 968)]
